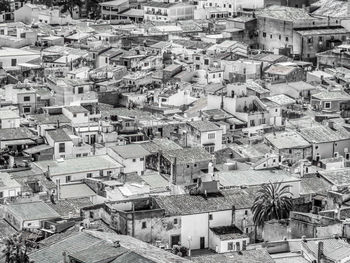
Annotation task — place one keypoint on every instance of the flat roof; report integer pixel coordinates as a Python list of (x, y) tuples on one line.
[(77, 165), (33, 210)]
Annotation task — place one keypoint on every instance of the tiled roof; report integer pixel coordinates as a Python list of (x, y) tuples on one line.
[(15, 134), (287, 140), (50, 119), (130, 151), (185, 204), (333, 249), (337, 177), (313, 184), (320, 134), (59, 135), (53, 253), (247, 256), (204, 126), (70, 207), (188, 155)]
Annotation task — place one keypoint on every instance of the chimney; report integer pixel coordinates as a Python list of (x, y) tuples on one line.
[(64, 254), (320, 252)]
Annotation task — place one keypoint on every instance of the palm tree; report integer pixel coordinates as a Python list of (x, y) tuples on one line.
[(273, 202)]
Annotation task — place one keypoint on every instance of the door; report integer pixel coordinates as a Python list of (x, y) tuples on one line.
[(202, 242), (174, 240)]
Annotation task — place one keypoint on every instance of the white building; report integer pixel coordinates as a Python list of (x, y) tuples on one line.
[(132, 156), (75, 170)]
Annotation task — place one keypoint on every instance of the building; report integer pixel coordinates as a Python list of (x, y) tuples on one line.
[(131, 156), (75, 170), (290, 145), (205, 134), (110, 10), (29, 215), (159, 11)]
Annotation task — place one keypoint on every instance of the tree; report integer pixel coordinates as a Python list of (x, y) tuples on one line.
[(16, 249), (93, 9), (5, 6), (69, 5), (273, 202)]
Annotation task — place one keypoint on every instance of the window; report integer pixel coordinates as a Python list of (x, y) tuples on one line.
[(26, 109), (144, 225), (175, 221), (287, 39), (188, 166), (89, 175), (290, 151), (210, 217), (91, 214), (270, 36), (206, 61), (85, 114), (134, 160), (85, 154), (101, 172), (142, 159), (316, 147), (246, 212), (109, 173), (195, 165), (1, 194), (13, 62), (26, 98), (279, 37), (61, 147), (68, 178), (74, 115), (310, 40), (211, 135), (327, 105), (198, 58), (230, 246), (264, 34), (78, 155), (127, 124), (80, 90)]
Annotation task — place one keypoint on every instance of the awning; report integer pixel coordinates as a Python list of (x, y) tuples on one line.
[(37, 149), (29, 65), (19, 142)]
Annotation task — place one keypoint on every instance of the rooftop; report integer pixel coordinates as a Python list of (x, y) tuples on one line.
[(284, 13), (130, 151), (185, 204), (339, 177), (204, 126), (320, 134), (287, 140), (32, 211), (59, 135), (78, 165), (188, 155), (237, 178), (228, 232)]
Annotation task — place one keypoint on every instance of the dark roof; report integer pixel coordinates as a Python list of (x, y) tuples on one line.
[(102, 252), (195, 204), (53, 253), (188, 155), (50, 119), (68, 207), (160, 144), (228, 232), (204, 126), (59, 135), (159, 4), (76, 109)]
